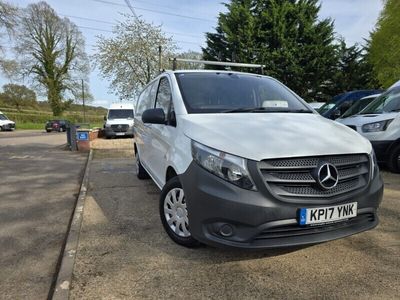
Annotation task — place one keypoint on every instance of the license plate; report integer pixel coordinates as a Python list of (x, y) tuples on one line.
[(120, 133), (327, 214)]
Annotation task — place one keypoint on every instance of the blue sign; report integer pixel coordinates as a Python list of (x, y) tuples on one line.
[(83, 136)]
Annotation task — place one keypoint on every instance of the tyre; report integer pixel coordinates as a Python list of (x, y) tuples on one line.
[(394, 159), (173, 213), (48, 130), (1, 128), (141, 173)]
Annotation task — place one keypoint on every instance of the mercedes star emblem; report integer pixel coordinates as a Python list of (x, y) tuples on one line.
[(327, 176)]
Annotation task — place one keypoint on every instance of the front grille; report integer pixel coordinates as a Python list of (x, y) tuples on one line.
[(292, 178), (120, 128), (297, 230), (352, 127)]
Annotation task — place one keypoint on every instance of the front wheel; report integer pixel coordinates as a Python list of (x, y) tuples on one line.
[(174, 215), (394, 159)]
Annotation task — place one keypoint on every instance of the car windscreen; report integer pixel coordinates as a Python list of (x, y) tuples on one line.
[(210, 92), (120, 113), (326, 107), (3, 117), (387, 102)]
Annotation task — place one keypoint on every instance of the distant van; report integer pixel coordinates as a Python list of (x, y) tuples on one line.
[(380, 123), (119, 120), (5, 123)]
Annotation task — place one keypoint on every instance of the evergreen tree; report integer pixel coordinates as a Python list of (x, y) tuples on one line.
[(353, 71), (286, 36)]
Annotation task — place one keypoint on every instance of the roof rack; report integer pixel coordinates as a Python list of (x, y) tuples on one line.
[(215, 63)]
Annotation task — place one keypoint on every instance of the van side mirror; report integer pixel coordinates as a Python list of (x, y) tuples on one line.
[(153, 116), (105, 118)]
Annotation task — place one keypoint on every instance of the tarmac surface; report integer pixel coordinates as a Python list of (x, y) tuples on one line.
[(39, 184), (124, 252)]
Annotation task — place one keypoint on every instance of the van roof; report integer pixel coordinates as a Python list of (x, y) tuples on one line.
[(121, 106)]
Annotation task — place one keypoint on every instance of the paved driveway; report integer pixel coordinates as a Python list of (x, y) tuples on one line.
[(39, 184), (124, 252)]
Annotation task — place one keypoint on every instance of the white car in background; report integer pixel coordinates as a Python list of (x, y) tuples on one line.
[(6, 123)]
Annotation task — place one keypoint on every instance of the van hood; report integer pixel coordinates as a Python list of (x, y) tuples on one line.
[(4, 122), (359, 120), (260, 136)]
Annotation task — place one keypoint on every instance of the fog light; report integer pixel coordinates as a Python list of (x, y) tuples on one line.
[(226, 230)]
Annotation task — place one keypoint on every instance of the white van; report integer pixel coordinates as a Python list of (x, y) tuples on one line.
[(242, 161), (119, 120), (5, 123), (380, 123)]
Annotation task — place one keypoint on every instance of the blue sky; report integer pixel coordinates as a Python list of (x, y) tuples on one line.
[(353, 20)]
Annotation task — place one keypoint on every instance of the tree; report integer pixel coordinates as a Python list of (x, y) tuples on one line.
[(18, 95), (190, 55), (384, 45), (8, 22), (353, 71), (286, 36), (53, 53), (130, 59)]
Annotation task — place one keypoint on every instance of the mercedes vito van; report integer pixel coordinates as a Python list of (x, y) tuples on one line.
[(242, 161), (380, 123)]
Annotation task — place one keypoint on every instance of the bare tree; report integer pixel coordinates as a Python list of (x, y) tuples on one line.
[(130, 58), (53, 54)]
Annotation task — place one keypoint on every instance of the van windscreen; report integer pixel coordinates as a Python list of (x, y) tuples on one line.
[(120, 114), (209, 92), (387, 102)]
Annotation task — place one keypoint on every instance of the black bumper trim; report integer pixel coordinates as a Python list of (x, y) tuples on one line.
[(213, 202)]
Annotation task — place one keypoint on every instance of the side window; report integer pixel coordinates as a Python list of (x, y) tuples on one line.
[(164, 95), (146, 99)]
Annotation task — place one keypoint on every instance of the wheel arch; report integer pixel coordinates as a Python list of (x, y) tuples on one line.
[(170, 173)]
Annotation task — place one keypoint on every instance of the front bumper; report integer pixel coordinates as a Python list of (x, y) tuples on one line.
[(9, 126), (258, 221), (109, 132)]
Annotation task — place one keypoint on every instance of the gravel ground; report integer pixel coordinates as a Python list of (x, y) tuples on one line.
[(124, 252)]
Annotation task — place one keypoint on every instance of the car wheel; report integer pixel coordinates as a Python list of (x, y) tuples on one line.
[(174, 215), (48, 130), (394, 159), (141, 173), (1, 128)]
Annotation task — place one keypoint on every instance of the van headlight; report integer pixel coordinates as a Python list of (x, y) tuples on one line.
[(226, 166), (376, 126)]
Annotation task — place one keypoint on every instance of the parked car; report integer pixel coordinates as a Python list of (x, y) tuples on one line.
[(380, 123), (119, 120), (5, 123), (340, 103), (56, 125), (242, 161), (358, 106)]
